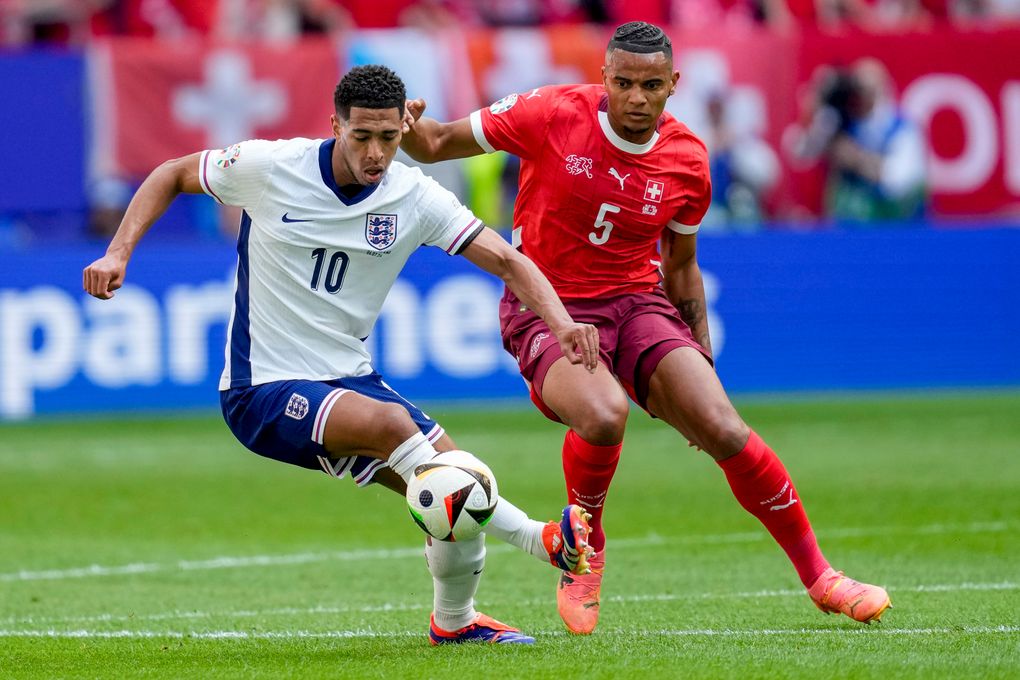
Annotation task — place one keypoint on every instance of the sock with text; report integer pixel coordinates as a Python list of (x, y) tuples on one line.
[(588, 469), (762, 486)]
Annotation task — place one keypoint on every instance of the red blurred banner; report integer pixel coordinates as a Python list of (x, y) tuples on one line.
[(156, 101)]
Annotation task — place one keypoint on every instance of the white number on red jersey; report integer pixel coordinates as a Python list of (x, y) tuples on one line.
[(602, 223)]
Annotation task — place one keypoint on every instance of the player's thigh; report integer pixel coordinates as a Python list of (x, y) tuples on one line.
[(369, 418), (592, 404), (361, 426), (685, 391)]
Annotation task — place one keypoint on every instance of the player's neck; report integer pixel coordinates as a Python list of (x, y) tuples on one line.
[(628, 136), (342, 174)]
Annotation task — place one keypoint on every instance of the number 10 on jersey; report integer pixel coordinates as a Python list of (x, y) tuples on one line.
[(335, 271), (602, 223)]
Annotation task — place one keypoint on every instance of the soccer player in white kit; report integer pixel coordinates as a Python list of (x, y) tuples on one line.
[(327, 227)]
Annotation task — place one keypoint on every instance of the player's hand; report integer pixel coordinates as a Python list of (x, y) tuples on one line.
[(104, 276), (579, 343), (413, 110)]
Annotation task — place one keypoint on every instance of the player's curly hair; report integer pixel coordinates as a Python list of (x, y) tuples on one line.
[(641, 37), (369, 87)]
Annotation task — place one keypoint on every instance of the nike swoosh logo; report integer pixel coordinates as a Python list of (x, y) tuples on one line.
[(478, 572), (289, 220)]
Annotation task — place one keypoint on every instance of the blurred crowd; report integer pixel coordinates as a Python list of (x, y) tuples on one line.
[(853, 142), (76, 21)]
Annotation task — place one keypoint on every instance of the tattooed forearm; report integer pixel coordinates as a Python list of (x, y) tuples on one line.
[(692, 311)]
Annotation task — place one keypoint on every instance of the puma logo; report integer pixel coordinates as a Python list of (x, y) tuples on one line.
[(614, 173), (784, 506)]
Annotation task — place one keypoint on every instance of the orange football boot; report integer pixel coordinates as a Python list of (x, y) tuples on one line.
[(834, 593), (577, 597)]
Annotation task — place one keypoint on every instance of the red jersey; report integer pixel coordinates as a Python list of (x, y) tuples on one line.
[(592, 205)]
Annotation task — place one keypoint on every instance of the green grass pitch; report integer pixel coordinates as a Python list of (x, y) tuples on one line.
[(158, 547)]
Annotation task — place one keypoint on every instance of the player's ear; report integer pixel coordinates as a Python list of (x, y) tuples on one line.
[(675, 79), (335, 125)]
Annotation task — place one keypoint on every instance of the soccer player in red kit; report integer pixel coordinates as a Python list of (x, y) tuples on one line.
[(612, 192)]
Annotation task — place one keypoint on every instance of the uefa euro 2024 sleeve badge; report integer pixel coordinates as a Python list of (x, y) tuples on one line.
[(228, 156)]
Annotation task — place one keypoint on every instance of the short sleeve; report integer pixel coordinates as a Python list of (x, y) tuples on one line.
[(516, 123), (697, 194), (238, 174), (444, 221)]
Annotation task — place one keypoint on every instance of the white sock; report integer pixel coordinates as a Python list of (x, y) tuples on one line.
[(456, 570), (510, 524), (409, 455)]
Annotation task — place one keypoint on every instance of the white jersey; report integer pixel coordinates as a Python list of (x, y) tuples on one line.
[(314, 266)]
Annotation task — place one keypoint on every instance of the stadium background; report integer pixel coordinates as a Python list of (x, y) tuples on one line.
[(139, 540), (798, 300)]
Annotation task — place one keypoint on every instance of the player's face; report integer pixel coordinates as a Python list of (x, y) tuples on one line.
[(367, 142), (638, 86)]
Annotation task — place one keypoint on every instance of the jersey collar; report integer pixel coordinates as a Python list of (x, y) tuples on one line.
[(618, 141), (326, 168)]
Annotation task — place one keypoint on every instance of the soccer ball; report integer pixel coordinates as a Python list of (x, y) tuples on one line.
[(452, 496)]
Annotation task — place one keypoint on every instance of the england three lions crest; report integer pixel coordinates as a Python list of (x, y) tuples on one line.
[(380, 230)]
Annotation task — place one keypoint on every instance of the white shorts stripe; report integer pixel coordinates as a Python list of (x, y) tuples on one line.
[(366, 475), (324, 463), (435, 433), (319, 429), (339, 468)]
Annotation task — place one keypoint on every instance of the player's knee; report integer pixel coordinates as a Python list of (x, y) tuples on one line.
[(601, 423), (393, 423), (724, 432)]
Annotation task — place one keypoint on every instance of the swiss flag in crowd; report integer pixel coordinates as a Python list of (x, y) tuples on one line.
[(152, 103)]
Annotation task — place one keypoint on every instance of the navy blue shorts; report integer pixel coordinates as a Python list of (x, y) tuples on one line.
[(286, 421)]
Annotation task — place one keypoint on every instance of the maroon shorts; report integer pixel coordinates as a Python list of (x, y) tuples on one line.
[(636, 331)]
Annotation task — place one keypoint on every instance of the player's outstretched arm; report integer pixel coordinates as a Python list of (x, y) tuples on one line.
[(578, 341), (681, 279), (426, 140), (104, 276)]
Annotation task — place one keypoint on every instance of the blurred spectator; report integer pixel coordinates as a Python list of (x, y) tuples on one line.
[(165, 19), (743, 167), (875, 155), (108, 200), (505, 13), (59, 22), (424, 14), (731, 14), (280, 21)]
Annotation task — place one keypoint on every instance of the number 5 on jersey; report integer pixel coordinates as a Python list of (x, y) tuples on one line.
[(602, 223)]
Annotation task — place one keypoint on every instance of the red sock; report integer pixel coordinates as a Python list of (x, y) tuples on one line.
[(588, 470), (760, 483)]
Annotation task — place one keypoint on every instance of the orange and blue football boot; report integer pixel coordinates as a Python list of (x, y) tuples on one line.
[(566, 541), (482, 629)]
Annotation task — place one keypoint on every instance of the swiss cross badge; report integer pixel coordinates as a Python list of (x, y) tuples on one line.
[(654, 190)]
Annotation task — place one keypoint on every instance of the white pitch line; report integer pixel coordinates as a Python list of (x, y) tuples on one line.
[(425, 606), (227, 562), (347, 634)]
